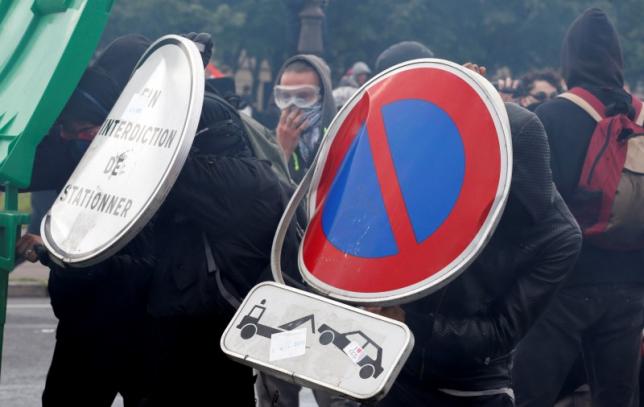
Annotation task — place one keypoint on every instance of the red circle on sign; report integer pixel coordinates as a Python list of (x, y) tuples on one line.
[(415, 261)]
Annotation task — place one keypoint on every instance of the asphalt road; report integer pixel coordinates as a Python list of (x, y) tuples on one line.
[(29, 336)]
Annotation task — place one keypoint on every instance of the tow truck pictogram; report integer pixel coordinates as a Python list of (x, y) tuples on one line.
[(370, 364), (250, 324)]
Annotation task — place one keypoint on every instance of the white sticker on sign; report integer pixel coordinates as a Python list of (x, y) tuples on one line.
[(288, 344), (355, 352)]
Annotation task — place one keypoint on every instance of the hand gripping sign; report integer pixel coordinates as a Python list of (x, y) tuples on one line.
[(407, 187), (134, 159)]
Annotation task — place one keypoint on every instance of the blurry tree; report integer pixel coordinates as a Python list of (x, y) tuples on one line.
[(630, 19), (520, 34), (259, 27)]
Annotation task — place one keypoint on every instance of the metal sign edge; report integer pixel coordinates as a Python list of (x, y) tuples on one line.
[(417, 290), (402, 355), (154, 202)]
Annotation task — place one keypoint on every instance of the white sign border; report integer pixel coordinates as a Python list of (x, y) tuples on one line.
[(172, 172), (495, 106), (287, 375)]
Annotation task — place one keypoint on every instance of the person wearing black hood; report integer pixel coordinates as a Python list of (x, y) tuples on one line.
[(60, 151), (101, 309), (212, 237), (600, 310), (463, 348)]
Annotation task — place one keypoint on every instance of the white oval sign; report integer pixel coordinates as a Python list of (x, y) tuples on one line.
[(134, 159)]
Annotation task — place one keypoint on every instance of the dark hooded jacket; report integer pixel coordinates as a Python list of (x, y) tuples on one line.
[(84, 299), (297, 164), (591, 58), (232, 199), (466, 331), (94, 97)]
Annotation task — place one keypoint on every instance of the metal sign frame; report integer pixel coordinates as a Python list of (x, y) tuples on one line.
[(497, 111), (154, 201), (389, 374)]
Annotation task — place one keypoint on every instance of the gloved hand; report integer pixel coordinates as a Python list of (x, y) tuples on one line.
[(204, 44), (43, 255)]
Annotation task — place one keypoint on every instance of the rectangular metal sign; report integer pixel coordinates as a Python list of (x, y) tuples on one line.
[(317, 342)]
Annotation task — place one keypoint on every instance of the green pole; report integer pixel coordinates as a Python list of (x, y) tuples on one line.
[(10, 224)]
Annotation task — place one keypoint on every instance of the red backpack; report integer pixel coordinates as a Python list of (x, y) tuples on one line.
[(609, 201)]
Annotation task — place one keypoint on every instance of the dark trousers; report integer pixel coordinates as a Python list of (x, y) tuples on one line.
[(413, 396), (192, 370), (89, 371), (274, 392), (605, 322)]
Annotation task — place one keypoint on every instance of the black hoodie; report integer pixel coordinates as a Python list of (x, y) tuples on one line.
[(95, 95), (591, 58), (464, 332), (591, 53)]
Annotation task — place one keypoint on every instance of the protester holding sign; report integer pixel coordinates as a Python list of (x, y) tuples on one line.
[(466, 331), (212, 238), (103, 327)]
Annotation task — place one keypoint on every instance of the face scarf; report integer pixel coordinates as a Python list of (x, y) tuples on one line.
[(311, 136), (78, 148)]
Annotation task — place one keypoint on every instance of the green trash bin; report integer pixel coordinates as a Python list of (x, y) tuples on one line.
[(45, 46)]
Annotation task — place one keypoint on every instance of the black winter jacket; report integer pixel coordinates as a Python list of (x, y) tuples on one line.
[(466, 331), (85, 299), (237, 203), (232, 198)]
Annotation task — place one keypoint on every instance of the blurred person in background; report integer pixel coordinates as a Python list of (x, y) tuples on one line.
[(357, 76), (304, 95), (600, 309), (537, 87)]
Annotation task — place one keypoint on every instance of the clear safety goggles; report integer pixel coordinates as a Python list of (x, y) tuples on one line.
[(302, 96)]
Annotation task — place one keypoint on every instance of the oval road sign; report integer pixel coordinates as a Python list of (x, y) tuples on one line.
[(409, 184), (133, 161), (317, 342)]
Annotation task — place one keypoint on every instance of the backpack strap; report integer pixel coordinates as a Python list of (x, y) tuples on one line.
[(231, 298), (639, 111), (586, 101)]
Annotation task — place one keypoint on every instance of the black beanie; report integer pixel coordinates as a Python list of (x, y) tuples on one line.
[(401, 52), (105, 79), (92, 99), (121, 55)]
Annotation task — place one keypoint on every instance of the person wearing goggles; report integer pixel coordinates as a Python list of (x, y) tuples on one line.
[(303, 95)]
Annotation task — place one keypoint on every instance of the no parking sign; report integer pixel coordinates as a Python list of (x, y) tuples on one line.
[(409, 184)]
